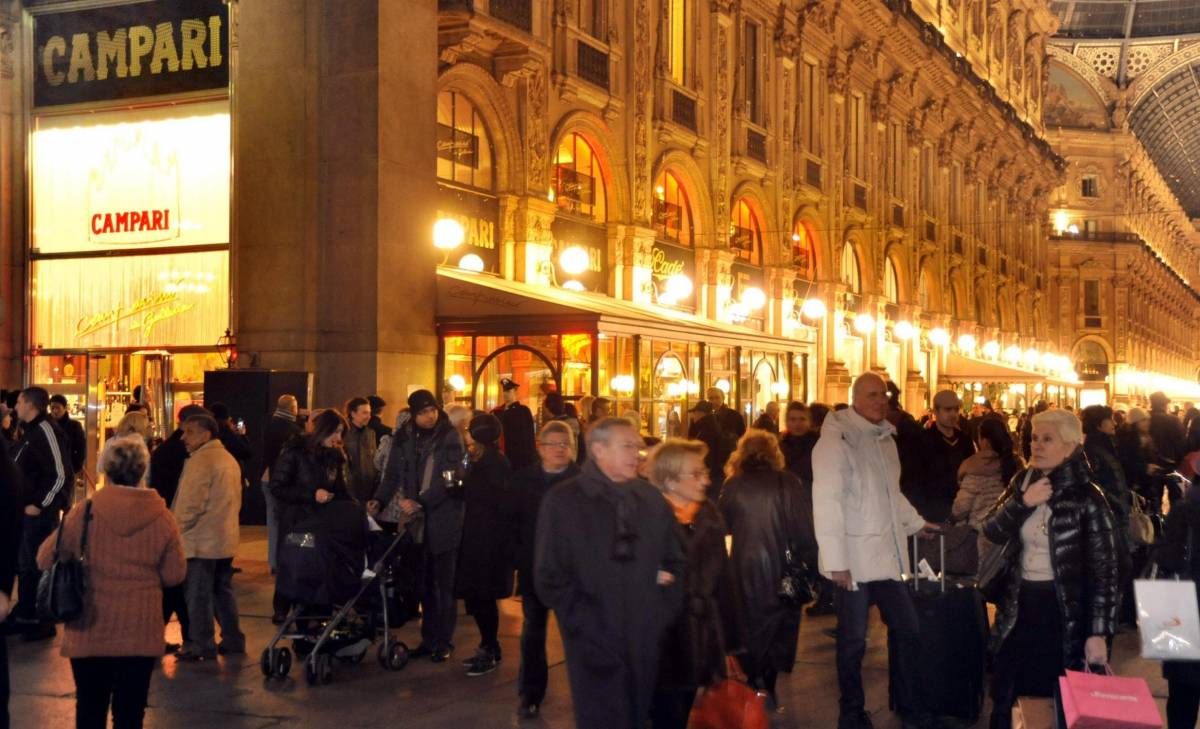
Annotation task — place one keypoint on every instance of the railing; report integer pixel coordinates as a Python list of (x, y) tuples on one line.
[(683, 109), (812, 173), (897, 215), (517, 13), (756, 145), (593, 65), (1097, 235)]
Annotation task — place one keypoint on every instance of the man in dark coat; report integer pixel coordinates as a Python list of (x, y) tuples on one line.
[(43, 458), (556, 451), (517, 421), (769, 420), (281, 428), (425, 466), (797, 441), (73, 430), (12, 500), (708, 430), (609, 564), (376, 423), (930, 475), (731, 420)]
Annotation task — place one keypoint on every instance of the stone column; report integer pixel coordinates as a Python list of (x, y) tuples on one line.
[(12, 185), (633, 249)]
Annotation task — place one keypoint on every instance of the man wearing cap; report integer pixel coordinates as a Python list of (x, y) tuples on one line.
[(930, 477), (707, 429), (423, 472), (517, 422)]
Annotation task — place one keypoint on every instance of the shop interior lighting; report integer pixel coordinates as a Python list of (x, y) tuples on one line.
[(903, 331), (966, 343), (939, 337), (1073, 229), (574, 260), (471, 262), (574, 286), (1049, 361), (622, 383), (722, 385), (980, 399), (813, 309), (754, 298), (1052, 390), (458, 383), (978, 386), (739, 312), (864, 324), (779, 389), (1038, 388), (448, 234), (992, 349), (1012, 353)]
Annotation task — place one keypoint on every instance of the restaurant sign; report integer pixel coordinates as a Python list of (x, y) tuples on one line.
[(479, 216), (593, 239), (670, 262), (129, 51)]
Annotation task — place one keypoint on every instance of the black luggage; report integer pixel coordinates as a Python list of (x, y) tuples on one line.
[(953, 645)]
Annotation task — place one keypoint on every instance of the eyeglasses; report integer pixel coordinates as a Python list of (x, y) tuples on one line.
[(693, 474), (554, 443)]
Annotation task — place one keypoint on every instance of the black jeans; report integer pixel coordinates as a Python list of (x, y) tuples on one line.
[(1030, 659), (174, 602), (122, 681), (4, 686), (34, 530), (671, 708), (1183, 704), (439, 609), (534, 671), (896, 607), (487, 617)]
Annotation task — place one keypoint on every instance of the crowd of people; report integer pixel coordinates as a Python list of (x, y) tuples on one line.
[(661, 560)]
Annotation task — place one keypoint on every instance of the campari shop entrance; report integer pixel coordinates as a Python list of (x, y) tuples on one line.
[(129, 199)]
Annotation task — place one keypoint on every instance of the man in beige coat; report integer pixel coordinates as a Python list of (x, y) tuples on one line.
[(206, 507)]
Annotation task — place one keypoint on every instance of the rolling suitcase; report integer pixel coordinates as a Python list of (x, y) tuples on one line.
[(953, 645)]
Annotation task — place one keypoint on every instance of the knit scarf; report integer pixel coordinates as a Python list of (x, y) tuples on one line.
[(685, 514)]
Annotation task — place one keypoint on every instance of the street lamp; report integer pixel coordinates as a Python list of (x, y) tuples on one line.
[(227, 348)]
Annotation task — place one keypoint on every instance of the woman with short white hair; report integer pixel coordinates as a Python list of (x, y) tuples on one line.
[(1059, 603)]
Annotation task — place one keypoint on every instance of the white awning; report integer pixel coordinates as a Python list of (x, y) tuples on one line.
[(960, 368)]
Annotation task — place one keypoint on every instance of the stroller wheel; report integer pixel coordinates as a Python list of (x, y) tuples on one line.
[(283, 663), (395, 657), (265, 663), (318, 669)]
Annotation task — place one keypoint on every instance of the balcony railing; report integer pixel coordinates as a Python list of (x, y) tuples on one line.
[(756, 145), (1097, 235), (593, 65), (683, 109), (517, 13), (812, 173)]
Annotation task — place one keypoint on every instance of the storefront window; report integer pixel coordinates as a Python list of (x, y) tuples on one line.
[(464, 147), (579, 186), (577, 365), (618, 371), (745, 233), (672, 211), (456, 388), (532, 371), (850, 272)]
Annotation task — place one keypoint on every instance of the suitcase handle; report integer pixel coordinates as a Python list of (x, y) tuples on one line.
[(916, 578)]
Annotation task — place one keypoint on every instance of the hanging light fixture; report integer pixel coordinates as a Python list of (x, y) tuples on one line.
[(227, 348), (939, 337), (904, 330)]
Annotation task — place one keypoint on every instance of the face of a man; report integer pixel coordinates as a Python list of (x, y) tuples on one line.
[(600, 410), (618, 457), (427, 418), (510, 395), (360, 416), (946, 413), (25, 409), (58, 410), (194, 436), (870, 399), (773, 411), (555, 451), (798, 422), (716, 398)]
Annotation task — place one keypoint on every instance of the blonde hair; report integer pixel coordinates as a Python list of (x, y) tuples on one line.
[(666, 461), (1064, 421), (134, 423), (756, 449), (585, 408), (125, 460)]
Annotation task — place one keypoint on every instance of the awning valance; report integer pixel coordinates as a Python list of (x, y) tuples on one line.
[(960, 368)]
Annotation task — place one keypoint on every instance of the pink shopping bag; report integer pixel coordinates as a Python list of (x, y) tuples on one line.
[(1099, 701)]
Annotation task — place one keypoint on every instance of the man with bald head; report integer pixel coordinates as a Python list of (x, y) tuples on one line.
[(863, 523), (930, 478)]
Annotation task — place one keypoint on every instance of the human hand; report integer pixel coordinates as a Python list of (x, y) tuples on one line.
[(409, 507), (373, 507), (32, 510), (1095, 651), (665, 578), (1038, 493), (323, 496), (1153, 468), (5, 606), (842, 579), (929, 531)]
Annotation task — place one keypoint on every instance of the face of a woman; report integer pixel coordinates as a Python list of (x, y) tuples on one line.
[(334, 440), (692, 479), (1048, 449)]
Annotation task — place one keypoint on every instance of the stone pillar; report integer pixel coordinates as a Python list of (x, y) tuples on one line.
[(12, 183), (533, 239), (633, 261)]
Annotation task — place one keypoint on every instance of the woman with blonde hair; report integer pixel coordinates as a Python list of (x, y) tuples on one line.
[(135, 422), (768, 514)]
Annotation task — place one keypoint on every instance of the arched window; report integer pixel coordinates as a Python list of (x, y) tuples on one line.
[(923, 288), (850, 273), (464, 147), (804, 251), (578, 182), (672, 211), (745, 233), (891, 282)]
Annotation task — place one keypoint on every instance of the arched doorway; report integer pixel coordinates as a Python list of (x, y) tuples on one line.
[(528, 367)]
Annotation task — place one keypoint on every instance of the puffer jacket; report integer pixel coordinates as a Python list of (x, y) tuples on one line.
[(299, 472), (1083, 555), (980, 486), (862, 519)]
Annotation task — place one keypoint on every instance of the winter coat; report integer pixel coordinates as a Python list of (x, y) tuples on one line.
[(1133, 451), (485, 568), (133, 552), (528, 487), (766, 510), (980, 486), (731, 422), (930, 476), (1101, 452), (1083, 555), (797, 454), (442, 508), (360, 447), (720, 444), (381, 430), (862, 519), (76, 441), (600, 546), (1169, 438), (711, 624), (298, 473), (1175, 553), (208, 501), (12, 505), (278, 432), (44, 459), (519, 434)]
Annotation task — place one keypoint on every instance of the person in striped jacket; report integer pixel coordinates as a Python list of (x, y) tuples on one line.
[(44, 461)]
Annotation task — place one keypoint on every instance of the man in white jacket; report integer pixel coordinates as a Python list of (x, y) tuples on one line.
[(863, 523)]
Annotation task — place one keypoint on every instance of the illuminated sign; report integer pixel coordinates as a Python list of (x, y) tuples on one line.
[(591, 238), (127, 51), (668, 261), (478, 215)]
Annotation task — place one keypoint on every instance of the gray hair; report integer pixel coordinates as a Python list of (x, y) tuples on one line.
[(558, 426), (603, 430), (124, 460), (1068, 426)]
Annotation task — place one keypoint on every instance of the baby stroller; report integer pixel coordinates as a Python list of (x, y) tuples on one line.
[(322, 564)]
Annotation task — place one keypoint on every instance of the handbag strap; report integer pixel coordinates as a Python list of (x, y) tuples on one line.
[(1020, 493), (787, 543), (83, 539)]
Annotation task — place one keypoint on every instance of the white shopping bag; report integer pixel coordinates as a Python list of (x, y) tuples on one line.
[(1168, 619)]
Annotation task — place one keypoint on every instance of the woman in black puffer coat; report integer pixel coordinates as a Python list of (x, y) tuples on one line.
[(1060, 603), (485, 569)]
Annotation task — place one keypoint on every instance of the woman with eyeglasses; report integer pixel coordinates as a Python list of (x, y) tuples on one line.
[(556, 463)]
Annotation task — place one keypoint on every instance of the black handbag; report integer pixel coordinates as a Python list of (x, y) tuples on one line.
[(996, 569), (61, 589), (795, 583)]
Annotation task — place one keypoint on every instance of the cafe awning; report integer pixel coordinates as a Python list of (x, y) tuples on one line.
[(480, 304), (960, 368)]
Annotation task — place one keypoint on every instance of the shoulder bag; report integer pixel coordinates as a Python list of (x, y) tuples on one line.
[(1141, 527), (795, 585), (996, 567), (730, 704), (61, 589)]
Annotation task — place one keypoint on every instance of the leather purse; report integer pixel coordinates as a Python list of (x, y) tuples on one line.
[(1141, 527), (731, 704), (62, 588), (795, 582)]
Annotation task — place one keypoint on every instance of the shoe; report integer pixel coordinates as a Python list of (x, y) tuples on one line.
[(860, 721), (230, 651), (483, 665), (16, 626), (528, 711), (421, 651), (481, 653), (440, 655), (171, 649), (39, 632), (818, 609), (194, 657)]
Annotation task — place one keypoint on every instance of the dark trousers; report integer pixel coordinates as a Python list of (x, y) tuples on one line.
[(896, 607), (123, 681), (4, 686), (1030, 660), (174, 602), (209, 594), (1183, 704), (671, 707), (439, 609), (534, 671), (34, 530), (487, 617)]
